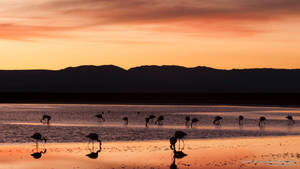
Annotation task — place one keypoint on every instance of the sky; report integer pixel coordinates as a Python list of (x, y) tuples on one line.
[(225, 34)]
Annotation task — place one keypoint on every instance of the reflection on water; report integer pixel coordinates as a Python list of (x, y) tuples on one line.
[(245, 153), (94, 154), (177, 155), (38, 154)]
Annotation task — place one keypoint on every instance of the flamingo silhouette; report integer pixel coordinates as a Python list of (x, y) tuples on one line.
[(38, 155), (125, 119), (173, 141), (217, 120), (94, 137), (159, 120), (262, 121), (290, 119), (46, 118), (152, 117), (194, 120), (241, 119), (187, 120), (100, 116), (38, 137), (147, 119), (179, 135)]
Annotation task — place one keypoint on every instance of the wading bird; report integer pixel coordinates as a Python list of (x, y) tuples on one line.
[(179, 135), (159, 120), (152, 117), (187, 120), (217, 120), (147, 121), (94, 137), (241, 119), (173, 141), (100, 116), (290, 119), (46, 119), (38, 137), (125, 119), (262, 121), (194, 120)]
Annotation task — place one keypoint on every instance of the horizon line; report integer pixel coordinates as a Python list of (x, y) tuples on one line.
[(146, 65)]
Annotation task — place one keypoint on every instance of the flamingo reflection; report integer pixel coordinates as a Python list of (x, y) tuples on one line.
[(94, 154), (38, 154), (176, 155)]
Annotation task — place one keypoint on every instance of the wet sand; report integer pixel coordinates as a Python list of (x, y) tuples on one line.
[(246, 153)]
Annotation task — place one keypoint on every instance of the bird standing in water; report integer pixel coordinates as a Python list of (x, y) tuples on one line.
[(262, 121), (194, 120), (187, 120), (159, 120), (290, 119), (125, 119), (217, 120), (38, 137), (152, 117), (173, 141), (94, 137), (147, 120), (100, 116), (241, 119), (46, 119), (179, 135)]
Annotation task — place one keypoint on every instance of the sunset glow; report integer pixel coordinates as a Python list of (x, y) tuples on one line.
[(53, 34)]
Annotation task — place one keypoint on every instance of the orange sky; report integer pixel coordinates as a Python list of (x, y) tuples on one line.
[(53, 34)]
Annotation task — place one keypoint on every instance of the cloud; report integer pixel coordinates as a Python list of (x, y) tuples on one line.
[(241, 17)]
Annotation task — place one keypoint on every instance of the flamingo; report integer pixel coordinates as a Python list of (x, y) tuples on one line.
[(180, 135), (217, 121), (94, 137), (159, 120), (194, 120), (262, 121), (291, 119), (152, 117), (38, 137), (173, 141), (100, 116), (147, 121), (125, 119), (187, 120), (46, 118), (241, 119)]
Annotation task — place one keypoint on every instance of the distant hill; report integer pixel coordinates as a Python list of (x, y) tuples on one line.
[(151, 79)]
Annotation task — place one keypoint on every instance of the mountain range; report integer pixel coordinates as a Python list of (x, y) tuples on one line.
[(151, 79)]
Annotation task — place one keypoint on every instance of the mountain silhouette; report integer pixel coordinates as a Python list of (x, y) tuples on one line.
[(151, 79)]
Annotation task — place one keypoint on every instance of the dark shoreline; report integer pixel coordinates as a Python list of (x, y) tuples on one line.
[(250, 99)]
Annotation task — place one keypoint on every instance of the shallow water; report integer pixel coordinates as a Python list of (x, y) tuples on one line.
[(243, 153), (71, 122)]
